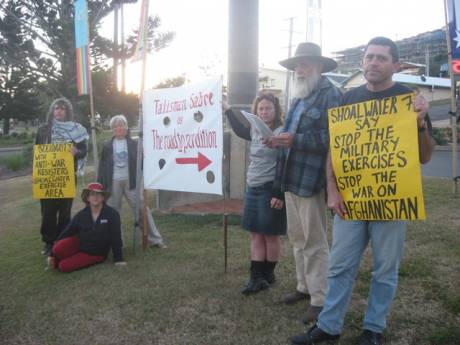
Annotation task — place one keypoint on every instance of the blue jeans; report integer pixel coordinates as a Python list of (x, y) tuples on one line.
[(350, 239)]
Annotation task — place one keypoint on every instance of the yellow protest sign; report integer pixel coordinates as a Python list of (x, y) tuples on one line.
[(374, 150), (53, 175)]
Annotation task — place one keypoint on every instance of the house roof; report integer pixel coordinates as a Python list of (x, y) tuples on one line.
[(405, 78), (421, 80)]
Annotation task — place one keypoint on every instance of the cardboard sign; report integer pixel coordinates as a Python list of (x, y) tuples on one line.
[(53, 175), (374, 149), (183, 138)]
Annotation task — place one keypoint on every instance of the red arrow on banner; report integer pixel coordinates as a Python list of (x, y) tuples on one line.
[(202, 161)]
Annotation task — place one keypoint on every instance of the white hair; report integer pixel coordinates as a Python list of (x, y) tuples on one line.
[(304, 86), (118, 119)]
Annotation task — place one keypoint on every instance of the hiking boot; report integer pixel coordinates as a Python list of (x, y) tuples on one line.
[(312, 314), (254, 285), (370, 338), (294, 297), (47, 248), (315, 336), (269, 271), (256, 282)]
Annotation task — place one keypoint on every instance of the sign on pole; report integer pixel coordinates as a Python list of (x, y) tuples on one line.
[(374, 150), (82, 48), (53, 175), (183, 138)]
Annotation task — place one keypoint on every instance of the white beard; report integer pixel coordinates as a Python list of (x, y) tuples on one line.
[(304, 86)]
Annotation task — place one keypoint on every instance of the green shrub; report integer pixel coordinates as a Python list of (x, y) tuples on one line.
[(27, 153), (15, 162), (439, 136)]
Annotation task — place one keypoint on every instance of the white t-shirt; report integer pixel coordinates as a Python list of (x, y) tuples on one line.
[(120, 159)]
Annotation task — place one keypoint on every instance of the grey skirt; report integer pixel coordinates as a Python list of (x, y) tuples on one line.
[(258, 216)]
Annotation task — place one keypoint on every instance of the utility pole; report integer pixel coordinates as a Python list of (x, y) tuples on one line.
[(123, 59), (314, 26), (427, 61), (115, 45), (288, 73)]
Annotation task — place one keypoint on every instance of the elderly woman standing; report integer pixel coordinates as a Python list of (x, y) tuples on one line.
[(117, 172), (264, 223), (59, 128)]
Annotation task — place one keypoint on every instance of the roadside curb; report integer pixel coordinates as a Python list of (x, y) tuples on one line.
[(443, 148), (11, 149)]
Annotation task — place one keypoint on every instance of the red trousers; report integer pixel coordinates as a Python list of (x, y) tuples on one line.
[(68, 256)]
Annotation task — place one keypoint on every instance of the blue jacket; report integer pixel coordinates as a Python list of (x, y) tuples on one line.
[(301, 168)]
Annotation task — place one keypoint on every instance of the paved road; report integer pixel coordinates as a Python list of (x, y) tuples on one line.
[(5, 152), (441, 164)]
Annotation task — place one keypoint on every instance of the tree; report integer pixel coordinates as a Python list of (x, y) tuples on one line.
[(171, 82), (50, 24), (110, 101), (18, 87)]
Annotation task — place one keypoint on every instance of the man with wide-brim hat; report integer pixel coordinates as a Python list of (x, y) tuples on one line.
[(308, 51), (90, 235), (300, 173)]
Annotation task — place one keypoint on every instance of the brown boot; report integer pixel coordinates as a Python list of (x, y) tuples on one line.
[(312, 314), (295, 297)]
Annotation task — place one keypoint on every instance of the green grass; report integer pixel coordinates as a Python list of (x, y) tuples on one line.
[(181, 295)]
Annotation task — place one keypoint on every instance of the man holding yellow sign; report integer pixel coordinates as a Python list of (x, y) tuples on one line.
[(378, 139)]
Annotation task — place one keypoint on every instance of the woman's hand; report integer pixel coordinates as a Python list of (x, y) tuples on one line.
[(51, 262), (74, 151), (276, 203), (225, 105)]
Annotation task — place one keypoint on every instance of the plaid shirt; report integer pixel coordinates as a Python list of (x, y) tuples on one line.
[(301, 168)]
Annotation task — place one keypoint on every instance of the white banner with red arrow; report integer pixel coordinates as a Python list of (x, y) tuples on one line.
[(183, 138)]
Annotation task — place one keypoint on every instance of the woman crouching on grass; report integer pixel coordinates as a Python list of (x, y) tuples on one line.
[(90, 235)]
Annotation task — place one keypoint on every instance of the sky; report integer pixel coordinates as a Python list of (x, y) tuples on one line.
[(201, 26)]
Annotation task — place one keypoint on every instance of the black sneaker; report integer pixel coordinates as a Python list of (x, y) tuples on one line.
[(47, 248), (315, 336), (370, 338)]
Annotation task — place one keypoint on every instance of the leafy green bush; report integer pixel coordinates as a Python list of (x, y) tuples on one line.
[(15, 162), (27, 153), (439, 136), (15, 139)]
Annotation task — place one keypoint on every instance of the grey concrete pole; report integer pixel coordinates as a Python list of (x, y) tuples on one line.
[(243, 83), (243, 52)]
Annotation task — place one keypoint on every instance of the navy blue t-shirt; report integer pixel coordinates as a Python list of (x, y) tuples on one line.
[(362, 94)]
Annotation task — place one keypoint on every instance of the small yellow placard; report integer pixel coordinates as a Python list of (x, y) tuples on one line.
[(53, 175), (374, 149)]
